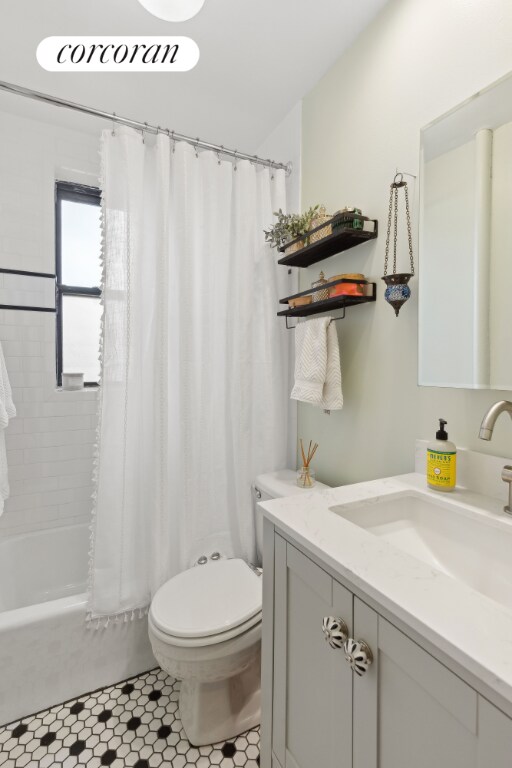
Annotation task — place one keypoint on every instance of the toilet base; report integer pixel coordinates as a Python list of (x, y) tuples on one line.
[(212, 712)]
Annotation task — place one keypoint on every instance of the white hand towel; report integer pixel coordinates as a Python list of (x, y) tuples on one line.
[(310, 360), (317, 364), (332, 396), (7, 411)]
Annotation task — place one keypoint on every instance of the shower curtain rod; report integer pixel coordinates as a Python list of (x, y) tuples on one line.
[(144, 127)]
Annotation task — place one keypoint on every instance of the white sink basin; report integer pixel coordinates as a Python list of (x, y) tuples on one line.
[(470, 546)]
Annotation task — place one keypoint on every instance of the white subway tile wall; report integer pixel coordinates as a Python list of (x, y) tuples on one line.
[(51, 441)]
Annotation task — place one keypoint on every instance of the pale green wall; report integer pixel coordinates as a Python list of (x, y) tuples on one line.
[(362, 121)]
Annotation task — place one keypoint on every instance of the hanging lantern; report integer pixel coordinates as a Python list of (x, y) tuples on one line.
[(397, 289)]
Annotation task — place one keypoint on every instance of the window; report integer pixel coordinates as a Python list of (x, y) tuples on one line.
[(78, 270)]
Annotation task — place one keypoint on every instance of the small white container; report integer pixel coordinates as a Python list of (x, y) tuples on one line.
[(72, 381)]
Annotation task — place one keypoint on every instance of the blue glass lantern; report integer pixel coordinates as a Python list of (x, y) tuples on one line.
[(397, 288), (397, 291)]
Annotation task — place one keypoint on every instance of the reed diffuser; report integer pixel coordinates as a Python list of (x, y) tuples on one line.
[(305, 475)]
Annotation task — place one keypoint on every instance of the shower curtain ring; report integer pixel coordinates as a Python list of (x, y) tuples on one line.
[(235, 153), (173, 143), (195, 147), (113, 124)]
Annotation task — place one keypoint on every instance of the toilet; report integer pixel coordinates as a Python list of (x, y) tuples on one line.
[(205, 629)]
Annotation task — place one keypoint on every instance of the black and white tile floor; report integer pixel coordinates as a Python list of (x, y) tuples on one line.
[(135, 723)]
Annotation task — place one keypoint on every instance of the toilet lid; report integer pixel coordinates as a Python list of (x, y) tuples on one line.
[(207, 599)]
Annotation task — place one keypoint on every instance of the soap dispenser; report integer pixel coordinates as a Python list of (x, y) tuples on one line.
[(441, 461)]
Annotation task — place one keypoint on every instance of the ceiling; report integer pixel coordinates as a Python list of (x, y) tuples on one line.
[(257, 60)]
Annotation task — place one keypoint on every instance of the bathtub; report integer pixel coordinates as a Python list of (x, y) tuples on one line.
[(48, 653)]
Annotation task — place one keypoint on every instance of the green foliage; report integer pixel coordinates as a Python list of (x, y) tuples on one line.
[(289, 226), (279, 234)]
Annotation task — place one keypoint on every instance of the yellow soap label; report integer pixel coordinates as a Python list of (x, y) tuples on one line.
[(442, 468)]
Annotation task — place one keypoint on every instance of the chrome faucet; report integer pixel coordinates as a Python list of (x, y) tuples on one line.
[(489, 420), (486, 429)]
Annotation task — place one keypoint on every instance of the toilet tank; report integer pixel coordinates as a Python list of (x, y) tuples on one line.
[(276, 485)]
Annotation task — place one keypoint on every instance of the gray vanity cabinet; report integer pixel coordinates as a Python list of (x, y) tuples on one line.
[(411, 711), (407, 710), (312, 691)]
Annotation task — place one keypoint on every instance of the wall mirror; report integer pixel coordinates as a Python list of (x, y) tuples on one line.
[(465, 246)]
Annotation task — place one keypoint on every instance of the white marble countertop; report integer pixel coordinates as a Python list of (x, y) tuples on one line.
[(468, 627)]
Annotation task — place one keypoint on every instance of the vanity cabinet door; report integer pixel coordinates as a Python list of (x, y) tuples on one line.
[(409, 709), (494, 736), (312, 707)]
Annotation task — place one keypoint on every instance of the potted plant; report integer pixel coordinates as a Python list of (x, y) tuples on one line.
[(279, 233), (298, 227), (322, 219), (290, 226)]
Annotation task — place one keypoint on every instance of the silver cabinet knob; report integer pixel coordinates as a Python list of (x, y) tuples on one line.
[(215, 556), (257, 493), (359, 655), (202, 560), (335, 631)]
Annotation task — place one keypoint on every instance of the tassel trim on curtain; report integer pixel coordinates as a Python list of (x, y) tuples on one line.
[(98, 622), (96, 453)]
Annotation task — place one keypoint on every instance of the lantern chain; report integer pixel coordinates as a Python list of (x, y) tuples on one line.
[(408, 219), (388, 234), (395, 231), (393, 215)]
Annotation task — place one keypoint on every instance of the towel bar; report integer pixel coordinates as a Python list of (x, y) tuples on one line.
[(333, 320)]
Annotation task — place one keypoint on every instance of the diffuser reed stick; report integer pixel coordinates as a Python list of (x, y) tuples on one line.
[(305, 478)]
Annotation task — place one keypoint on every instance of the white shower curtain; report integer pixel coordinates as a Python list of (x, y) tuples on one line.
[(193, 396)]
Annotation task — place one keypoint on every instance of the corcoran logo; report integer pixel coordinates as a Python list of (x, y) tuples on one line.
[(117, 54)]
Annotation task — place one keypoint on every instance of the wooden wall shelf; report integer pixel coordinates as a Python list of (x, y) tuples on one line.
[(338, 242), (328, 305), (341, 240)]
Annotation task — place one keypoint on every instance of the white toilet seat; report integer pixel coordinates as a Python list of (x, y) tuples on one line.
[(207, 604), (200, 642)]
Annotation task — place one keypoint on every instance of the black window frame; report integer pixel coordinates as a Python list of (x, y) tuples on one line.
[(76, 193)]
